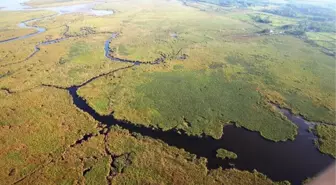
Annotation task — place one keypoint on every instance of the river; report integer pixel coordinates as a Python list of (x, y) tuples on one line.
[(17, 5), (291, 160)]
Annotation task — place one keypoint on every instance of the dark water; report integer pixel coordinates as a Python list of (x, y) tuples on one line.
[(291, 160)]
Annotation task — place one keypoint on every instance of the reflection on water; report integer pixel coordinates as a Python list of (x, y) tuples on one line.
[(13, 4), (80, 8), (17, 5)]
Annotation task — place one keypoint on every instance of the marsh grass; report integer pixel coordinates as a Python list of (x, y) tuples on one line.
[(207, 102), (43, 125), (155, 162), (223, 154), (298, 77), (229, 75), (326, 138), (98, 173)]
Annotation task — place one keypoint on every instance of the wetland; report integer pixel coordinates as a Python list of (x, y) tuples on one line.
[(114, 84)]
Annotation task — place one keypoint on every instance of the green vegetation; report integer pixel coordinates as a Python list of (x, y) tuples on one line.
[(43, 126), (155, 162), (98, 172), (310, 18), (326, 138), (215, 102), (142, 96), (261, 19), (218, 69), (120, 163), (223, 154)]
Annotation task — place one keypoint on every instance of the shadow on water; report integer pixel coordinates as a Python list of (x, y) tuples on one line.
[(291, 160)]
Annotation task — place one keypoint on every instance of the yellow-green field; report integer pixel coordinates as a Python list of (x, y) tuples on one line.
[(218, 70)]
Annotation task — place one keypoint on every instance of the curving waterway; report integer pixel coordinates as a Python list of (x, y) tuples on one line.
[(291, 160), (109, 54), (24, 25), (18, 6)]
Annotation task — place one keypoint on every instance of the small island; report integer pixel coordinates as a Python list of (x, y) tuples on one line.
[(225, 154)]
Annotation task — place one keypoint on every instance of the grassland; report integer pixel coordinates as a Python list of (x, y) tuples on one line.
[(42, 127), (326, 142), (59, 64), (10, 20), (152, 162), (196, 93), (323, 39), (267, 68), (217, 71), (271, 79)]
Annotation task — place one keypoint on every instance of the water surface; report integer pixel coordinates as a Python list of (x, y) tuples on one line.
[(291, 160), (17, 5), (78, 8), (13, 5), (88, 8)]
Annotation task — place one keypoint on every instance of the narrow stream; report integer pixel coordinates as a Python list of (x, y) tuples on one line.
[(23, 24), (108, 51), (292, 160), (80, 8)]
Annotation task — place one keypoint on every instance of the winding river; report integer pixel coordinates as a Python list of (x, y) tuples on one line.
[(80, 8), (24, 25), (291, 160), (109, 52)]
